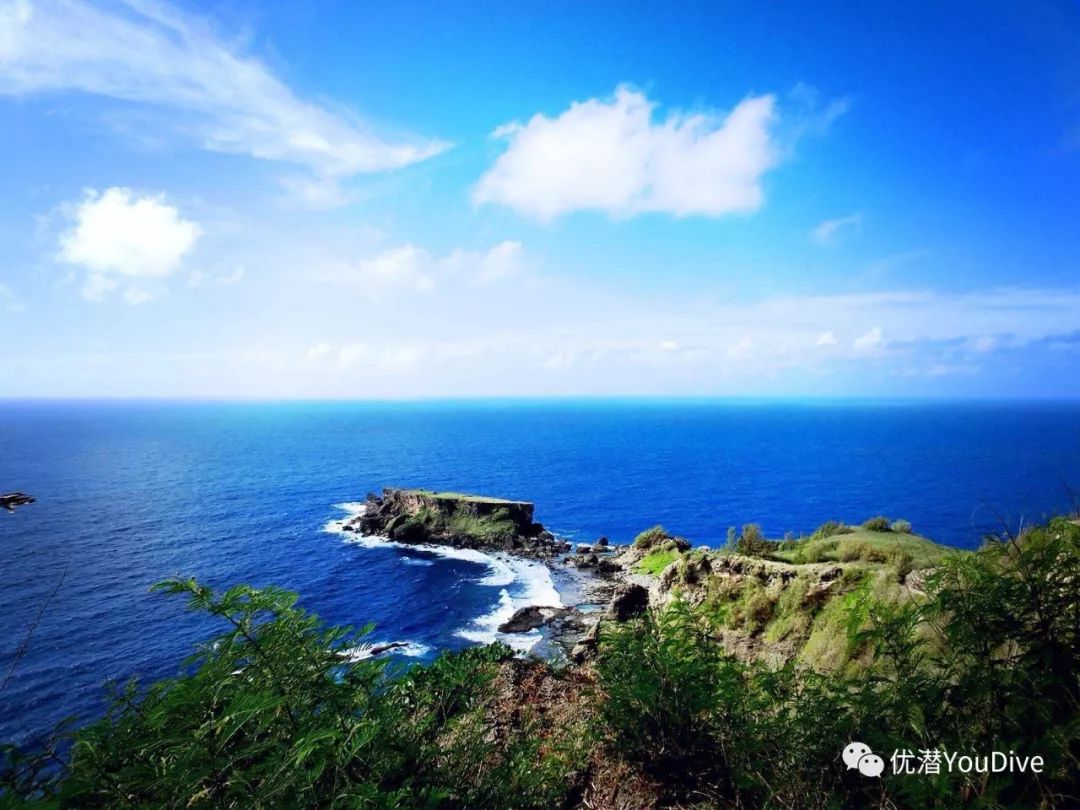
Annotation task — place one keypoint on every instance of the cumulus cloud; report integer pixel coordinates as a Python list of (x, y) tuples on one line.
[(156, 56), (416, 269), (126, 240), (610, 155), (828, 231)]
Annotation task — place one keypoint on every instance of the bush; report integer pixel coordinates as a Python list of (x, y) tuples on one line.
[(649, 538), (986, 661), (275, 712), (901, 562), (880, 523), (850, 550), (901, 526), (829, 529), (752, 542)]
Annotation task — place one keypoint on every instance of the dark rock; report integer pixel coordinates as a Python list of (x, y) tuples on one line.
[(379, 649), (629, 600), (13, 499), (583, 548), (602, 542), (526, 619), (606, 566)]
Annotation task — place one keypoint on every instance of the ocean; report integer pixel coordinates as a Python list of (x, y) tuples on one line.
[(129, 493)]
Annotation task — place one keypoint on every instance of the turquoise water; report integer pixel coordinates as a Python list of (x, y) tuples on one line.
[(132, 492)]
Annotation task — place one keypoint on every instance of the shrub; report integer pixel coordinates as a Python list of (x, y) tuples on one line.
[(652, 537), (901, 562), (274, 713), (879, 523), (752, 542), (850, 550), (830, 528), (901, 526)]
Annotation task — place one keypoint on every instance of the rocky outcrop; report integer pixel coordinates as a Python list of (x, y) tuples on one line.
[(13, 499), (629, 600), (420, 516), (534, 617)]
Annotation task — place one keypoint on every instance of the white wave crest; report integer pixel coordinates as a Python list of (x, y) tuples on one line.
[(523, 582), (413, 649)]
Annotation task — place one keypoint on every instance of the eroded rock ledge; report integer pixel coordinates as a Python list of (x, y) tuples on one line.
[(419, 516)]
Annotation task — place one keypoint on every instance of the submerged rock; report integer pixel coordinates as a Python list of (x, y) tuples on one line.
[(13, 499)]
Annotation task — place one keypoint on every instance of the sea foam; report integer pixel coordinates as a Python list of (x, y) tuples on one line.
[(522, 582)]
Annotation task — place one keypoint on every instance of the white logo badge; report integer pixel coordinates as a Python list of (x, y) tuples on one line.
[(858, 755)]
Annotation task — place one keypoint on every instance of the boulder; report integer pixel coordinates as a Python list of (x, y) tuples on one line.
[(526, 619)]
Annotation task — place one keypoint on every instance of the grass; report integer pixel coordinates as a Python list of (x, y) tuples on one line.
[(656, 562), (924, 553), (463, 496)]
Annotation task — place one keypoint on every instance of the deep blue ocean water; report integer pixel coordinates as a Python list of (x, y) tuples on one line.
[(132, 492)]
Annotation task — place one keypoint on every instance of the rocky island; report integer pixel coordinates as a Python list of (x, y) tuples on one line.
[(420, 516)]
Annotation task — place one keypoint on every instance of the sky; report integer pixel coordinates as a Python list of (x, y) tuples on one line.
[(429, 199)]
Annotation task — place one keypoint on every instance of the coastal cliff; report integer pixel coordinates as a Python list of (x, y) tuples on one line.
[(419, 516)]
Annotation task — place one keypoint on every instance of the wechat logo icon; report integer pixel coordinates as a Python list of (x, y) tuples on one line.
[(858, 755)]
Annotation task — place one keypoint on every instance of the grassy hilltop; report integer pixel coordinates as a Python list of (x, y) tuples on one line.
[(713, 697)]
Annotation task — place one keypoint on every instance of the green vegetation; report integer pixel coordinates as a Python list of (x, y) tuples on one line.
[(273, 713), (871, 545), (276, 712), (655, 562), (651, 538), (427, 523), (657, 538), (462, 496), (880, 523), (988, 661)]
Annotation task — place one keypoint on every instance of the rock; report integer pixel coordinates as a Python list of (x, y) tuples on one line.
[(447, 518), (583, 548), (585, 648), (602, 542), (379, 649), (629, 600), (816, 595), (526, 619), (13, 499), (695, 569), (581, 653), (831, 573), (668, 578)]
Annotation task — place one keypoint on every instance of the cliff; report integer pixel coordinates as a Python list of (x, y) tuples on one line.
[(455, 519)]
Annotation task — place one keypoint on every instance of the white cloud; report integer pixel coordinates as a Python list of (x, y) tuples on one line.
[(826, 339), (610, 155), (828, 231), (869, 341), (119, 237), (407, 266), (157, 56), (414, 268)]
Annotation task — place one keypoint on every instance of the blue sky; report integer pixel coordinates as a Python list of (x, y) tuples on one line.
[(492, 199)]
